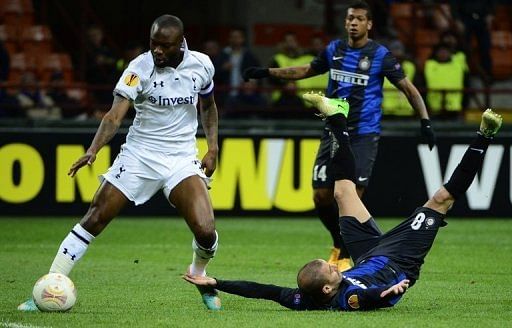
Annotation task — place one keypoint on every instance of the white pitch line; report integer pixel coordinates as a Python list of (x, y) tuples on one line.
[(8, 324)]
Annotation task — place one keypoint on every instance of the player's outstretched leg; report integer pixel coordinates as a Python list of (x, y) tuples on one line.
[(201, 257), (335, 111), (490, 124), (470, 164), (327, 106)]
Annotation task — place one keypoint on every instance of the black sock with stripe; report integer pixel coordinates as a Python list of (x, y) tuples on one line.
[(468, 167), (343, 163)]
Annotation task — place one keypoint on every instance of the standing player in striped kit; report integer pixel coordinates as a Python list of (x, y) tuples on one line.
[(357, 67)]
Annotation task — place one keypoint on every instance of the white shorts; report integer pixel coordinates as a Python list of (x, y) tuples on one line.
[(140, 173)]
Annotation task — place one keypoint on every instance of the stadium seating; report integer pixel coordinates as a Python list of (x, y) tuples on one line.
[(9, 37), (20, 63), (420, 37), (501, 54), (31, 48), (18, 13), (37, 39), (501, 39), (56, 62), (502, 17), (401, 14)]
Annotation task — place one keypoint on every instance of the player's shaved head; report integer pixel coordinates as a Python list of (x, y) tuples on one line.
[(311, 279), (166, 21), (165, 41)]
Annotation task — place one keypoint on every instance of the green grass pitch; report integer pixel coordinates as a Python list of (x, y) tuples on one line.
[(130, 276)]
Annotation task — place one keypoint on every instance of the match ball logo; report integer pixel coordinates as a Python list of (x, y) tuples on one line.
[(131, 80)]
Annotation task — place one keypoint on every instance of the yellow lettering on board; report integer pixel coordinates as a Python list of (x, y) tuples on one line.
[(86, 179), (238, 167), (289, 198), (31, 173)]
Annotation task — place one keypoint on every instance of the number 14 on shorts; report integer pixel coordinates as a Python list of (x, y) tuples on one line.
[(320, 173)]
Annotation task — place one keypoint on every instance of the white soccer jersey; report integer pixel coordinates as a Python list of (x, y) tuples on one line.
[(165, 101)]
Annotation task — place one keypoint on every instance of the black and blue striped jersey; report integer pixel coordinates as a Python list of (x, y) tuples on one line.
[(362, 285), (357, 74)]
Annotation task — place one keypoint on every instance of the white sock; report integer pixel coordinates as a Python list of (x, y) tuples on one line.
[(71, 250), (201, 256)]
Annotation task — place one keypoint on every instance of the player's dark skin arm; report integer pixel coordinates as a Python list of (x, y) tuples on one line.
[(107, 129), (293, 73), (210, 123), (414, 97), (418, 104)]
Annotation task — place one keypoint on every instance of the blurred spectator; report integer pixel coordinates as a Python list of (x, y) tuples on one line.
[(9, 106), (212, 49), (235, 58), (474, 18), (248, 98), (443, 72), (35, 102), (452, 40), (382, 23), (317, 45), (437, 14), (394, 102), (130, 53), (68, 107), (318, 82), (4, 63), (221, 78), (101, 67), (289, 55)]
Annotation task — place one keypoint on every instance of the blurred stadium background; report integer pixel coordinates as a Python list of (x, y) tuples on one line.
[(61, 59)]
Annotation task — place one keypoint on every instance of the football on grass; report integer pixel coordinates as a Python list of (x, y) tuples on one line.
[(54, 292)]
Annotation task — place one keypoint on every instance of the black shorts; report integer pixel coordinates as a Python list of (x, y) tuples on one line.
[(364, 148), (406, 245)]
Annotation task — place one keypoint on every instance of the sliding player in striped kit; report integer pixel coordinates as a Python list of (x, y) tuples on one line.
[(385, 265)]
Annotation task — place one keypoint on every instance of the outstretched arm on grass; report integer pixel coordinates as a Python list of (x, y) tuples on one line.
[(285, 296)]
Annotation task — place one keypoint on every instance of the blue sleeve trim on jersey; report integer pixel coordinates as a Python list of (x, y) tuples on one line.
[(207, 86), (207, 90), (206, 95)]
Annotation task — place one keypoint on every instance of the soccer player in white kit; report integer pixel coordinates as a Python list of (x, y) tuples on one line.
[(160, 153)]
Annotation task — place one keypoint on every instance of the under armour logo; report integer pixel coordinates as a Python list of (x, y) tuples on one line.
[(121, 170), (161, 83), (67, 252)]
